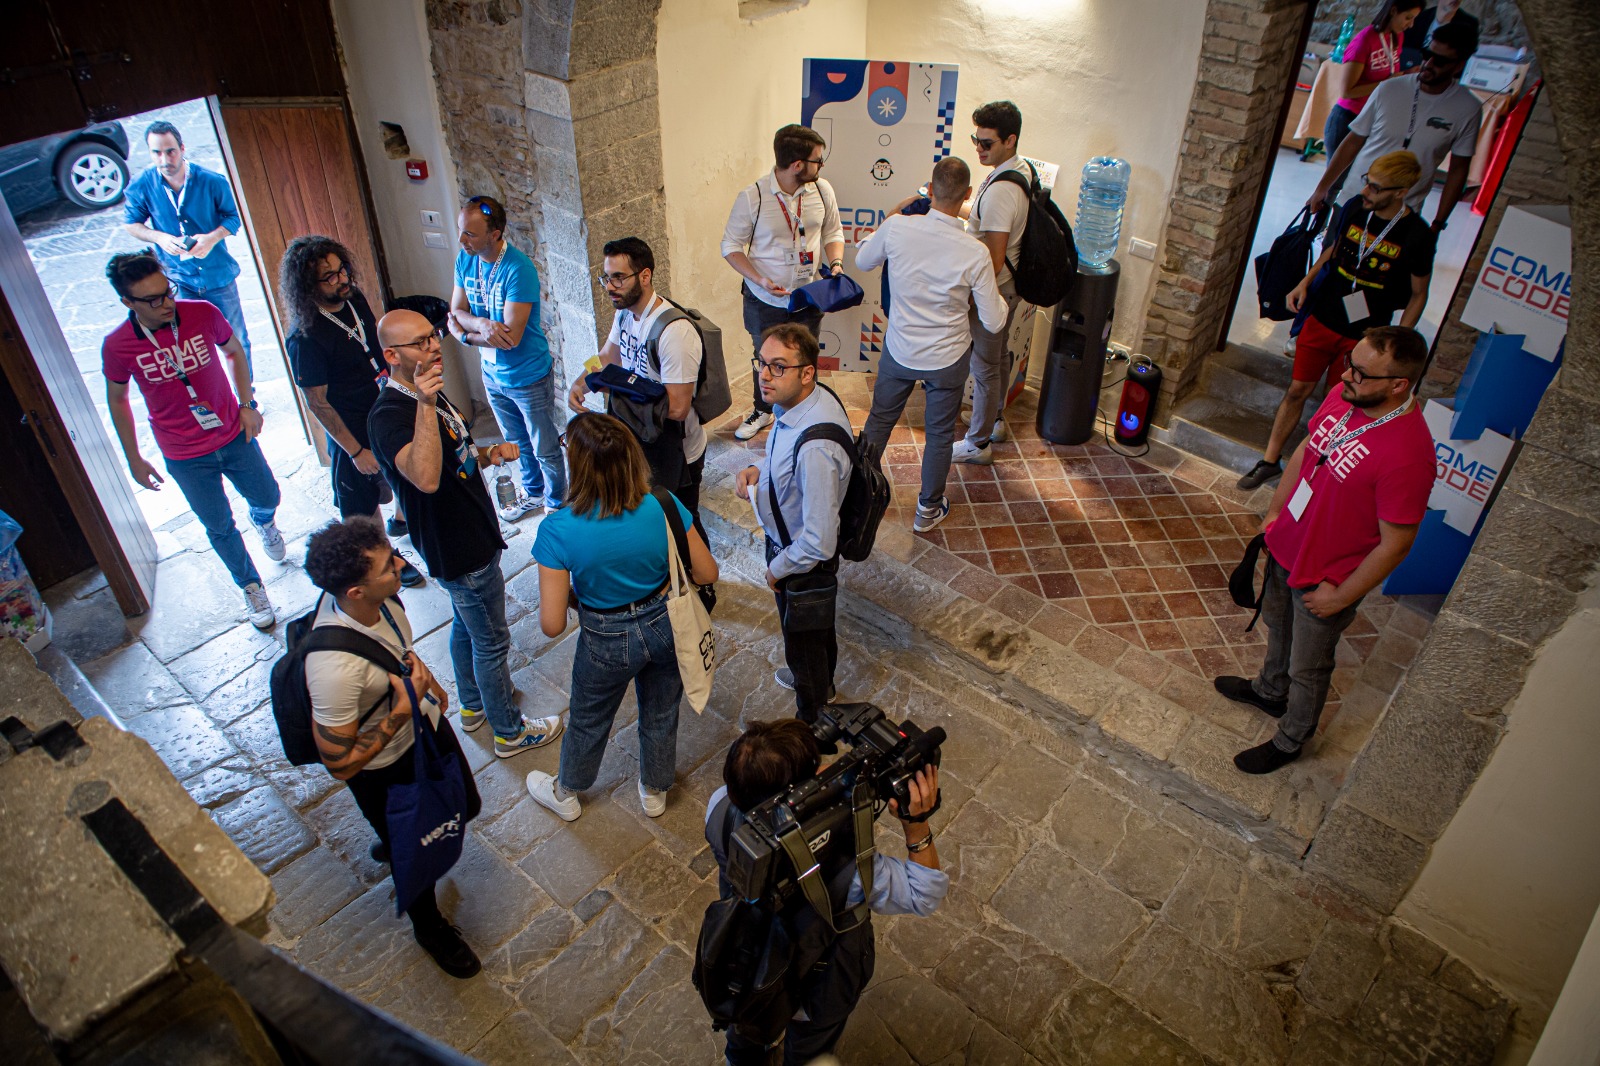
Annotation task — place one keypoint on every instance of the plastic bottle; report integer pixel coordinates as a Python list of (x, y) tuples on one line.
[(505, 493), (1347, 30), (1101, 197)]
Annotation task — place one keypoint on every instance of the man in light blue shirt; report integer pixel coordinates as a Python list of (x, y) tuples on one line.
[(495, 307), (809, 484), (187, 213)]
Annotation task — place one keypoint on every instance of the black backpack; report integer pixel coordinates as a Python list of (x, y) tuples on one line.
[(1047, 259), (1283, 266), (866, 498), (291, 700)]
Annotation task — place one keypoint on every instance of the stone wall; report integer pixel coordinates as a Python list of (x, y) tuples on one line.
[(1499, 21), (1245, 62)]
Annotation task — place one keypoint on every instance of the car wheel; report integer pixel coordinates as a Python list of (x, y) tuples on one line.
[(91, 175)]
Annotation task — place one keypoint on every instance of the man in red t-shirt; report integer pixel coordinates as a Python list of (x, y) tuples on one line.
[(205, 433), (1343, 517)]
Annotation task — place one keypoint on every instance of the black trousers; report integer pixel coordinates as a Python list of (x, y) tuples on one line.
[(812, 653), (371, 791), (758, 316), (835, 989), (669, 470)]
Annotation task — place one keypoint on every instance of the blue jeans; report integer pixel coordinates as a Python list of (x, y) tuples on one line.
[(479, 641), (225, 298), (615, 647), (200, 481), (527, 417)]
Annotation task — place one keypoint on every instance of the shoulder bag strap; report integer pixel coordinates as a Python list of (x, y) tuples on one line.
[(679, 535)]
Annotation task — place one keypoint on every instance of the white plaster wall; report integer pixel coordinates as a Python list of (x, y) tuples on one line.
[(726, 85), (1573, 1034), (1513, 884), (1092, 77), (388, 68)]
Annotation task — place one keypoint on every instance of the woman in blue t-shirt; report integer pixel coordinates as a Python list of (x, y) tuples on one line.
[(605, 553)]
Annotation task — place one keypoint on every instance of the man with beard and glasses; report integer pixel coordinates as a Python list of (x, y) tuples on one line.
[(338, 365), (1344, 516)]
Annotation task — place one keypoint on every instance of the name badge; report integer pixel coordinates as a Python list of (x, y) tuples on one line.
[(488, 357), (1301, 497), (1356, 308), (205, 416)]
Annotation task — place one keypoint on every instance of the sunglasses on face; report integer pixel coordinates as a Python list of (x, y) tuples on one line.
[(983, 143), (1438, 59)]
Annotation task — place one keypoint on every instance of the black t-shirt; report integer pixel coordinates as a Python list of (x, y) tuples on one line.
[(323, 354), (454, 527), (1385, 276)]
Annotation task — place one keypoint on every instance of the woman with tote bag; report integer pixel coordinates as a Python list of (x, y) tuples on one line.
[(608, 553)]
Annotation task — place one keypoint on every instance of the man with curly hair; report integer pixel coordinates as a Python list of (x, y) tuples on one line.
[(338, 365)]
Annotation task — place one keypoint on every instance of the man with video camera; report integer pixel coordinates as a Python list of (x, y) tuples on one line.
[(829, 968)]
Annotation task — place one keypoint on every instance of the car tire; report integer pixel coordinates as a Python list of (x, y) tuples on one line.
[(91, 175)]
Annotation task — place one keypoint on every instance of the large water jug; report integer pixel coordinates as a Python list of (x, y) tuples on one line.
[(1347, 30), (1101, 197)]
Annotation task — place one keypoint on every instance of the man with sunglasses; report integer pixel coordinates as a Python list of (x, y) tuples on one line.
[(205, 426), (1378, 260), (1344, 516), (781, 230), (425, 446), (1426, 113)]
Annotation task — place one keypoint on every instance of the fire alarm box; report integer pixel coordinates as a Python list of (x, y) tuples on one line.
[(417, 169)]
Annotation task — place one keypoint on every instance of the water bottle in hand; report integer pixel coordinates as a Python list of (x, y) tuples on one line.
[(1101, 197), (505, 493)]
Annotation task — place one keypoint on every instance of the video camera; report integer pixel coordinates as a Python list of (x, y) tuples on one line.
[(852, 790)]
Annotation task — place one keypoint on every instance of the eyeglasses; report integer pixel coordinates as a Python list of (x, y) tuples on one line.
[(816, 163), (343, 271), (983, 143), (1361, 377), (423, 341), (156, 301), (1375, 187), (1437, 58), (614, 280), (777, 370)]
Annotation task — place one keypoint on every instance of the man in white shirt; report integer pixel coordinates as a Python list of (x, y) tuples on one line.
[(1427, 114), (998, 216), (937, 273), (780, 231), (361, 714), (655, 340)]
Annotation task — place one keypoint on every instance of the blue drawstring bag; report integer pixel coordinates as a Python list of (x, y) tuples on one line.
[(428, 817), (831, 292)]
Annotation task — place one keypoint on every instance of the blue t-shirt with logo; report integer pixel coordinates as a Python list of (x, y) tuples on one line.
[(489, 287), (613, 561)]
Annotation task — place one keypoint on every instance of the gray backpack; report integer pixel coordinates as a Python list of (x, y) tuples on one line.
[(712, 396)]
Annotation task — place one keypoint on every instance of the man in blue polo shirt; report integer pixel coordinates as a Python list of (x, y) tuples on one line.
[(187, 212), (495, 307)]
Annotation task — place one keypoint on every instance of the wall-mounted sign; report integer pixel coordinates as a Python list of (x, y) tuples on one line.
[(1525, 285), (1465, 471)]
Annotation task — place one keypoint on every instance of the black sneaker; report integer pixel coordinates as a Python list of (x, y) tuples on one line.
[(785, 679), (398, 527), (1264, 758), (1260, 474), (410, 576), (1239, 690), (450, 951), (379, 852)]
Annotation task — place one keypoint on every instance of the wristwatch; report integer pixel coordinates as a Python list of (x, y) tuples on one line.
[(252, 405)]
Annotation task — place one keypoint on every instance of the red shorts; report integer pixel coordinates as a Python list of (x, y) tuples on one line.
[(1319, 350)]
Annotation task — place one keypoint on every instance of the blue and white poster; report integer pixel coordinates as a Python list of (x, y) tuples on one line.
[(886, 124)]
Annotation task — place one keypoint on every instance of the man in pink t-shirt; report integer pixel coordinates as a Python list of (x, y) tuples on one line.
[(205, 433), (1343, 517)]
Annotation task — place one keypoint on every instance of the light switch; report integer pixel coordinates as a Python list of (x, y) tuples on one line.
[(430, 219), (1142, 249), (434, 239)]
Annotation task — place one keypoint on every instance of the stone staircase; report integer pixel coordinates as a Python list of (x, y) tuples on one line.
[(1228, 417)]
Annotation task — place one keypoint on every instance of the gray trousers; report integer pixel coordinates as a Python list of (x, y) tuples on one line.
[(1299, 659), (989, 371), (944, 388)]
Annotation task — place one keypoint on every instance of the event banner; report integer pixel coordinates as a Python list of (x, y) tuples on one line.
[(1525, 285), (886, 124)]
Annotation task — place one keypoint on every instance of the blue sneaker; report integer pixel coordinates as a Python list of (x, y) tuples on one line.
[(535, 734)]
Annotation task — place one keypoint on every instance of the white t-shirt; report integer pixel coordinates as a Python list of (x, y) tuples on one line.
[(680, 354), (1446, 122), (1002, 207), (345, 686)]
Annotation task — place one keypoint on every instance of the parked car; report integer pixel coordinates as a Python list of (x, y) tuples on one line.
[(88, 167)]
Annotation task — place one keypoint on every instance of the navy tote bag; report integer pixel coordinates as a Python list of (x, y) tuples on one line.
[(428, 817)]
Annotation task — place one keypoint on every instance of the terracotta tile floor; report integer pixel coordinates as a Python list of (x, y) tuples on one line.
[(1125, 560)]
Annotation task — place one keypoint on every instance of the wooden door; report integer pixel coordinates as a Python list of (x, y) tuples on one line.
[(295, 164), (88, 466)]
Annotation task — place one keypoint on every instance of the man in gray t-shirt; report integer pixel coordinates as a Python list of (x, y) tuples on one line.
[(1428, 114)]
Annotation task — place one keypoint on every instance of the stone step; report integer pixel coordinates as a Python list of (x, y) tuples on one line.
[(1219, 431), (1246, 380)]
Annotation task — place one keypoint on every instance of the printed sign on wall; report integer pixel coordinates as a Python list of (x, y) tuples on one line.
[(886, 124), (1525, 285), (1465, 471)]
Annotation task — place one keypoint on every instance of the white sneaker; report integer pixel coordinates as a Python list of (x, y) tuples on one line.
[(258, 606), (1000, 432), (928, 517), (535, 734), (753, 423), (653, 802), (518, 507), (272, 541), (542, 787), (965, 452)]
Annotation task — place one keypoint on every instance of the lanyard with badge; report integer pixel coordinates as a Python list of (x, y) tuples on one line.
[(203, 414), (1336, 440), (489, 356), (455, 426), (405, 651), (177, 208), (1416, 95), (359, 336), (1356, 306), (800, 260)]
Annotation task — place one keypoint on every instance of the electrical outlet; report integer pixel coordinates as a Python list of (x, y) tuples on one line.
[(1142, 249), (434, 240), (431, 219)]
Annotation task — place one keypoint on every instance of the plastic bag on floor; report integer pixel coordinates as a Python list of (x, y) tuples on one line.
[(22, 613)]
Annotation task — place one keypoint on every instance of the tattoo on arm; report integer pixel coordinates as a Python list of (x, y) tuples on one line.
[(347, 755)]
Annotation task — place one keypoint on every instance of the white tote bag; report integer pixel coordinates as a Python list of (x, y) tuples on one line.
[(692, 634)]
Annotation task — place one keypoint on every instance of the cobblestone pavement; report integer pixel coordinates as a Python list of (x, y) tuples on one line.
[(1091, 920)]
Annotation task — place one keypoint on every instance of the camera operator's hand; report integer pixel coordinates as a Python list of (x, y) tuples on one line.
[(924, 789)]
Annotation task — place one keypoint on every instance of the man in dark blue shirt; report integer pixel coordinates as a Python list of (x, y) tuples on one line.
[(187, 212)]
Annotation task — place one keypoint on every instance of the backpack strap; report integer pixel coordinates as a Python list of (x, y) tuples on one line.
[(820, 431), (347, 640), (1014, 177), (809, 872), (674, 313)]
